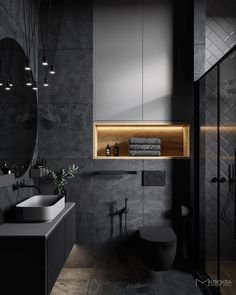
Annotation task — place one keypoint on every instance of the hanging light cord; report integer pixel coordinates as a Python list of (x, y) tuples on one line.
[(59, 32), (32, 41), (25, 25), (1, 58)]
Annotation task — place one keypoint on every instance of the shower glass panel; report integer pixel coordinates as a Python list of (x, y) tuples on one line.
[(227, 169), (208, 167), (217, 163)]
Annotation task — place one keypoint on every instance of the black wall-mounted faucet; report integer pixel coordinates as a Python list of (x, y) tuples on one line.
[(17, 186)]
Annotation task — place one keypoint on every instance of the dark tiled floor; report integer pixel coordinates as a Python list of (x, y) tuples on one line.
[(83, 275)]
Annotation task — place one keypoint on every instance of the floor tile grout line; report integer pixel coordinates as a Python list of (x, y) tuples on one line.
[(90, 277)]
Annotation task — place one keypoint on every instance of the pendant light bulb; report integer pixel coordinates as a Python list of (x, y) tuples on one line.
[(7, 87), (27, 65), (10, 83), (45, 62), (35, 87), (52, 70), (45, 83), (28, 81), (1, 82)]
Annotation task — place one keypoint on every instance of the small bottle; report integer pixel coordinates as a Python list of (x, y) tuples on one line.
[(116, 150), (5, 168), (108, 151)]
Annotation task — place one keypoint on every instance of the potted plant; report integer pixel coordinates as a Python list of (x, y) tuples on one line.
[(61, 177)]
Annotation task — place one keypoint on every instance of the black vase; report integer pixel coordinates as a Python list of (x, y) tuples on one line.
[(60, 191)]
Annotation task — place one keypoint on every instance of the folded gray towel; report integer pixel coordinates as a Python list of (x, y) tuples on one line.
[(145, 147), (144, 140), (144, 153)]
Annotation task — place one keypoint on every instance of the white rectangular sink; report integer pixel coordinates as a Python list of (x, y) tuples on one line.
[(40, 208)]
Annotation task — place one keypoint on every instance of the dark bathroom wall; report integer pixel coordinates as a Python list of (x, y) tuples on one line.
[(12, 26), (199, 38), (65, 137)]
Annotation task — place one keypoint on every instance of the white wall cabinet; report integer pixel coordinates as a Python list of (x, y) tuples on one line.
[(132, 60), (157, 60)]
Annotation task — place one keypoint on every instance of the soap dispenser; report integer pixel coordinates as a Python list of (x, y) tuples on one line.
[(116, 150), (5, 168), (108, 151)]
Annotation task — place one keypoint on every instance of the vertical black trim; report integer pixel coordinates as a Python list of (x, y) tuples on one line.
[(197, 228), (234, 187), (218, 173), (142, 56)]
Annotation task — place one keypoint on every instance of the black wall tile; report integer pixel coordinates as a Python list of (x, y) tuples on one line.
[(72, 82), (65, 131)]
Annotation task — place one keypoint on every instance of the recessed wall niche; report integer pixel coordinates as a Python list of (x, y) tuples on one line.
[(174, 139)]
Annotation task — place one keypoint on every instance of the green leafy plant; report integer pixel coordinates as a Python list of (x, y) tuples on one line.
[(61, 177)]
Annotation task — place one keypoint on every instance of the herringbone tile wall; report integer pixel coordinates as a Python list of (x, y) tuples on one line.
[(220, 29)]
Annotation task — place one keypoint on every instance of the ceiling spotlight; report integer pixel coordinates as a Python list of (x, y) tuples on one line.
[(7, 87), (45, 83), (52, 71), (45, 62), (1, 81), (10, 83), (35, 87), (27, 65)]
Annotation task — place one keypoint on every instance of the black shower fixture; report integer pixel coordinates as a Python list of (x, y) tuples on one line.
[(52, 70)]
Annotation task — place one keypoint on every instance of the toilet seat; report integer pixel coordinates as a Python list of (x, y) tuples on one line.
[(159, 235)]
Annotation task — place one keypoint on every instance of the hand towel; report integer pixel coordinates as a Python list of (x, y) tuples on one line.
[(144, 153), (145, 147), (143, 140)]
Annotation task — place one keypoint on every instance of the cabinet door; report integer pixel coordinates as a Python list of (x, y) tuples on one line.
[(55, 254), (117, 61), (157, 59), (69, 231)]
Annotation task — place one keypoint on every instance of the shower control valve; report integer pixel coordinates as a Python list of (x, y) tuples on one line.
[(222, 179)]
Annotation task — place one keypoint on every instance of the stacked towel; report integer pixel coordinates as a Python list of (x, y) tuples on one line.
[(140, 146)]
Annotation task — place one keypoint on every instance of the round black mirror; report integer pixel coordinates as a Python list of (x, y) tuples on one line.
[(18, 109)]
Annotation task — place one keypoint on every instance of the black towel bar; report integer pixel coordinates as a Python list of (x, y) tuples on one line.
[(115, 172)]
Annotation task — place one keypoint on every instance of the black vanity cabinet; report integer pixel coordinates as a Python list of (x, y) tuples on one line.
[(33, 254)]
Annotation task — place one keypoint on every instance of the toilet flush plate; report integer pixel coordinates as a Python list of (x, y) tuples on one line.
[(154, 178)]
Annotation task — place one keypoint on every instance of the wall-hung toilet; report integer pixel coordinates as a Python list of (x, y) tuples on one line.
[(158, 247)]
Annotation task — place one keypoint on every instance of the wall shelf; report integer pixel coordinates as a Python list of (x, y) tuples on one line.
[(175, 138)]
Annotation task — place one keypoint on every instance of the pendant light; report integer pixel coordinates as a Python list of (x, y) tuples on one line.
[(8, 65), (45, 83), (7, 87), (52, 70), (10, 83), (45, 62), (1, 81), (34, 87), (27, 31), (29, 81), (27, 65)]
